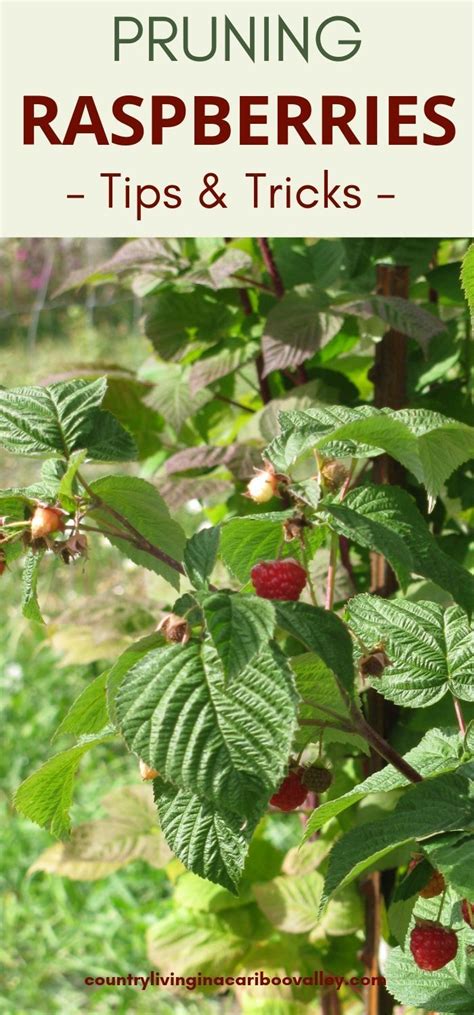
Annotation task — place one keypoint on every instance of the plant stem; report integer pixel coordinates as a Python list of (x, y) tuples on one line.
[(271, 267), (304, 554), (140, 541), (331, 579), (460, 717), (382, 747)]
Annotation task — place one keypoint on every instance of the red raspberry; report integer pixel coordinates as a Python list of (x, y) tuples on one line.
[(291, 794), (432, 945), (467, 910), (2, 565), (279, 579)]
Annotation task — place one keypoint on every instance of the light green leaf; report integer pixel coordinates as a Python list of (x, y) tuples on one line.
[(187, 941), (291, 903), (467, 277), (29, 578), (323, 633), (240, 627), (141, 504), (46, 796), (66, 485), (229, 745), (60, 419), (371, 512), (430, 648), (197, 895), (88, 714), (431, 806), (212, 842), (439, 751), (98, 848), (200, 555)]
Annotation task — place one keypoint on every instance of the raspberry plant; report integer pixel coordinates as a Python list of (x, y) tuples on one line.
[(290, 699)]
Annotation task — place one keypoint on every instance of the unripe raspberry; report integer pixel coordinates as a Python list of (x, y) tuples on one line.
[(467, 910), (373, 664), (146, 772), (317, 778), (279, 579), (45, 521), (263, 486), (291, 793), (175, 629), (435, 884), (333, 474), (432, 945)]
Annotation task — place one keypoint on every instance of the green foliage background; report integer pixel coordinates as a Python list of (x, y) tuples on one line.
[(167, 324)]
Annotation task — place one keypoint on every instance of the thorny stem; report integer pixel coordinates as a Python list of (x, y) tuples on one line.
[(460, 717)]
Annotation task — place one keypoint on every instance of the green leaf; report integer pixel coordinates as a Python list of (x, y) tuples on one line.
[(141, 504), (245, 541), (400, 314), (315, 682), (29, 577), (200, 555), (430, 648), (60, 419), (429, 445), (240, 627), (467, 277), (230, 746), (208, 369), (172, 397), (296, 327), (429, 807), (323, 633), (177, 318), (391, 511), (88, 714), (46, 796), (439, 751), (124, 663), (371, 532), (452, 855), (210, 841), (66, 488)]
